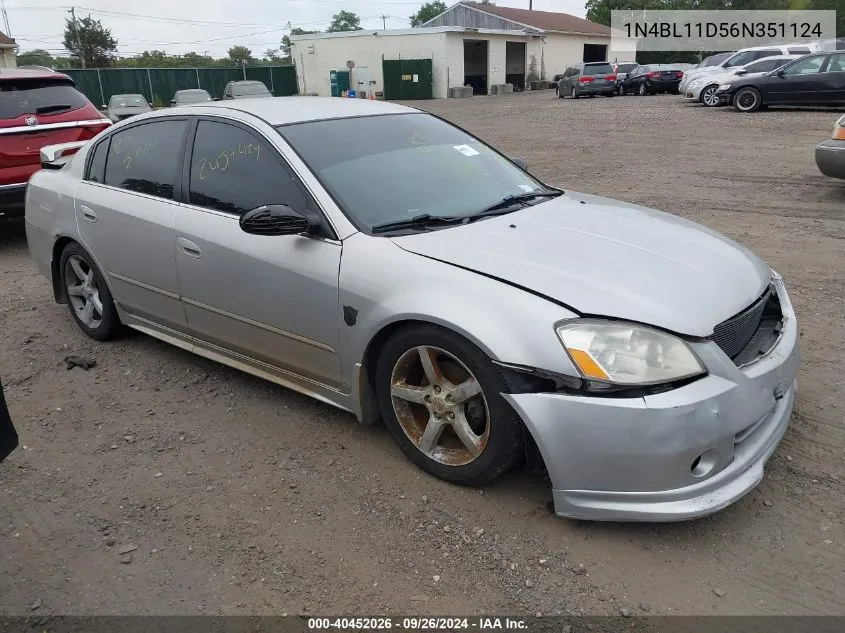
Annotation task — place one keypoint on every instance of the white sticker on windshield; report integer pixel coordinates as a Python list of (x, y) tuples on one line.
[(466, 150), (527, 188)]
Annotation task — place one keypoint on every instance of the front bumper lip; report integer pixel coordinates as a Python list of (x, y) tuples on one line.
[(673, 456)]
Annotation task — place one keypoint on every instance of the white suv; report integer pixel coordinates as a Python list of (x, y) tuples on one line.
[(748, 55)]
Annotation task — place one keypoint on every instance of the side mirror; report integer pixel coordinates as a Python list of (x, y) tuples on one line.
[(519, 162), (741, 71), (278, 219), (779, 72)]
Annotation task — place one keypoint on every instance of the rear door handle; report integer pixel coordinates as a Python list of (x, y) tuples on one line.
[(87, 213), (189, 248)]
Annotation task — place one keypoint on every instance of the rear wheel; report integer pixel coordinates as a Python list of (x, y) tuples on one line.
[(642, 91), (89, 299), (747, 99), (573, 93), (708, 97), (440, 398)]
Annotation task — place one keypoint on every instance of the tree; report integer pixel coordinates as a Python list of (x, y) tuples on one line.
[(344, 21), (428, 11), (35, 57), (241, 55), (89, 43), (286, 39)]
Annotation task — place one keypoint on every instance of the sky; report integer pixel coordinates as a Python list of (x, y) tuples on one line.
[(180, 26)]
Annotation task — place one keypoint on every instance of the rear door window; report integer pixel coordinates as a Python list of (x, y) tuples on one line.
[(39, 97), (97, 166), (765, 65), (147, 158), (597, 69)]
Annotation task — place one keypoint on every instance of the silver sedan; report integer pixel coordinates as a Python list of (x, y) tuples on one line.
[(384, 261)]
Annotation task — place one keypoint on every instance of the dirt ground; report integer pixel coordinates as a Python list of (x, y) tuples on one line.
[(242, 497)]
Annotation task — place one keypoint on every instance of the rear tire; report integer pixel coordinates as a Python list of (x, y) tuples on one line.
[(747, 99), (469, 436), (642, 91), (573, 93), (88, 297)]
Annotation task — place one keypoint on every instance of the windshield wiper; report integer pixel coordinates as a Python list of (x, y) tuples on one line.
[(505, 205), (418, 221), (52, 108)]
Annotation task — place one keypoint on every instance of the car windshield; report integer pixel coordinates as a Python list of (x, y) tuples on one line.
[(192, 96), (127, 101), (41, 96), (715, 60), (250, 88), (625, 68), (392, 168), (597, 69)]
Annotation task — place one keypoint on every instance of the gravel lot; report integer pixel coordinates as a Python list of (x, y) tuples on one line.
[(242, 497)]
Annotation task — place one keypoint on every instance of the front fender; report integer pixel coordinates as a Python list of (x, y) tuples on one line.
[(385, 285)]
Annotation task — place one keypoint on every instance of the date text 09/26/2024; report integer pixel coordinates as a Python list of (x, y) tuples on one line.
[(417, 624)]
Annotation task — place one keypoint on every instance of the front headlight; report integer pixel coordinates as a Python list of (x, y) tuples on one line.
[(724, 87), (626, 353)]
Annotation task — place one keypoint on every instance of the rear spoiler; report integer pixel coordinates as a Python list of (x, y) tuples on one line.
[(56, 156)]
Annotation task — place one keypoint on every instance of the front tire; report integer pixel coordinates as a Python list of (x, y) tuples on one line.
[(747, 99), (708, 96), (440, 398), (88, 297)]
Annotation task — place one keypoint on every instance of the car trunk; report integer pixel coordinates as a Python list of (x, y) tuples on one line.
[(39, 112)]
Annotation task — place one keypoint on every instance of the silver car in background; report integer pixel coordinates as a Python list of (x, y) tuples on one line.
[(124, 106), (190, 96), (379, 259)]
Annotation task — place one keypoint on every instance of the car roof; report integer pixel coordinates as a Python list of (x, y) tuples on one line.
[(286, 110), (127, 94), (31, 73), (189, 90)]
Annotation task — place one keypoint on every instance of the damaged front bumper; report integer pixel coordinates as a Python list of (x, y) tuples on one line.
[(671, 456)]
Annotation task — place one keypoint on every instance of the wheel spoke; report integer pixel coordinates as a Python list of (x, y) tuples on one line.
[(431, 435), (409, 393), (87, 312), (466, 390), (75, 291), (98, 305), (75, 263), (466, 434), (428, 358), (90, 276)]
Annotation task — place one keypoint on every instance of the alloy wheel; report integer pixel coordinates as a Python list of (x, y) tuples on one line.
[(572, 93), (747, 100), (709, 96), (82, 291), (440, 406), (642, 90)]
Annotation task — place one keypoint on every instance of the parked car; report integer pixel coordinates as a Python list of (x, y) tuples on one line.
[(8, 435), (651, 79), (817, 79), (192, 95), (553, 83), (279, 236), (830, 154), (37, 108), (704, 88), (245, 90), (124, 106), (746, 56), (588, 79)]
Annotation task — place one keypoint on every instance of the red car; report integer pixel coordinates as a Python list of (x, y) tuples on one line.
[(38, 107)]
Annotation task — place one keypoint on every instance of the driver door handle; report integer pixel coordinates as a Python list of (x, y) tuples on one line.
[(87, 213), (189, 248)]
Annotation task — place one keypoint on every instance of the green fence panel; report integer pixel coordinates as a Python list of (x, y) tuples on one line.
[(166, 81), (159, 85), (121, 81), (87, 83), (408, 79), (284, 81), (213, 80), (262, 74)]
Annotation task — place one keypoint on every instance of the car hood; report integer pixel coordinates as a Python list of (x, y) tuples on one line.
[(601, 257)]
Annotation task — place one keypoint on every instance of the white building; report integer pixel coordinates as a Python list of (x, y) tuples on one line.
[(468, 44), (7, 51)]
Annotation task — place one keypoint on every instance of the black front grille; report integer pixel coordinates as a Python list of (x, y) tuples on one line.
[(735, 333)]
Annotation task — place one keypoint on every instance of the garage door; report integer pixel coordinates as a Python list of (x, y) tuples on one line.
[(408, 79)]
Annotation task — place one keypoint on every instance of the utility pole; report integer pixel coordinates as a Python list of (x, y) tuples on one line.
[(530, 5), (72, 12), (5, 18), (384, 21)]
